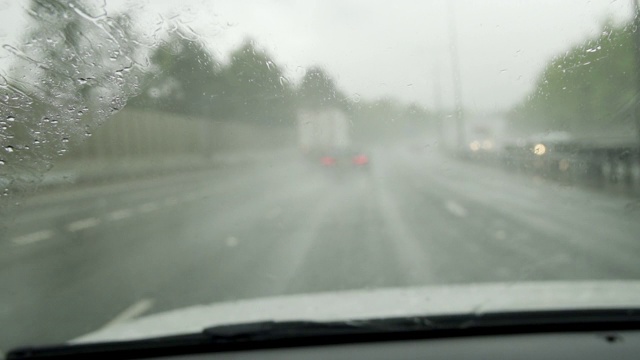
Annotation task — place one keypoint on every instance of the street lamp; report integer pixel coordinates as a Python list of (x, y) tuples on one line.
[(457, 82)]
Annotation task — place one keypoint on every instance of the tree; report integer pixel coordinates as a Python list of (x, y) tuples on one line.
[(73, 68), (77, 61), (183, 79), (187, 79), (318, 89), (588, 89), (258, 90)]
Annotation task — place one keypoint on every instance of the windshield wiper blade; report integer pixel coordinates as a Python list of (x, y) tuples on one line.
[(284, 329), (274, 334), (223, 338)]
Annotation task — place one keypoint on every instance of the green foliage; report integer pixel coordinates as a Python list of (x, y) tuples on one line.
[(252, 88), (257, 90), (590, 88), (184, 79), (66, 74), (63, 56), (188, 80), (317, 89)]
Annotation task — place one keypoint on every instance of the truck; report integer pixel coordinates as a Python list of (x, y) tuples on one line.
[(322, 131), (323, 137)]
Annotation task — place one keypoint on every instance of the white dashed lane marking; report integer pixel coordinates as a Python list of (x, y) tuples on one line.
[(115, 215), (455, 208), (33, 237), (120, 214), (133, 311), (83, 224)]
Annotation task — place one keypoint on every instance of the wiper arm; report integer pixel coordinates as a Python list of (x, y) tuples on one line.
[(272, 334), (224, 338), (270, 330)]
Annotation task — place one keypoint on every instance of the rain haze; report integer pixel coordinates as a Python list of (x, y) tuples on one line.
[(400, 49), (390, 48), (161, 155)]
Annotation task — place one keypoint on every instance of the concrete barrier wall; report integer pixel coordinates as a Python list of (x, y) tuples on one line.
[(136, 134), (135, 142)]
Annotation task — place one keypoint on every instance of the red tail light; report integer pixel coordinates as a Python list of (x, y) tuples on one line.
[(328, 161), (360, 160)]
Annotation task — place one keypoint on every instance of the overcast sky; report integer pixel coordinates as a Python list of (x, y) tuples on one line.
[(391, 48)]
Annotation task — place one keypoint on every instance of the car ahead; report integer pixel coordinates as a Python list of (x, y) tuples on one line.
[(344, 159)]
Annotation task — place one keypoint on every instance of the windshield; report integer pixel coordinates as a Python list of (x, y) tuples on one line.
[(158, 156)]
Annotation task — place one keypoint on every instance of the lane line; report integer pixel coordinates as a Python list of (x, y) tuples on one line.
[(33, 237), (83, 224), (232, 241), (120, 214), (455, 208), (133, 311)]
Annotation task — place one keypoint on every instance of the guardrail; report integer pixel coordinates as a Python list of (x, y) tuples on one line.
[(614, 168)]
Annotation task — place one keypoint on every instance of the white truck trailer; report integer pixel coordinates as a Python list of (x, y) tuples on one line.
[(322, 130)]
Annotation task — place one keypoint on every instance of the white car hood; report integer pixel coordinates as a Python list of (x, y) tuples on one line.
[(381, 303)]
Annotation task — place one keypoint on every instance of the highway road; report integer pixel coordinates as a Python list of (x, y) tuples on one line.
[(79, 259)]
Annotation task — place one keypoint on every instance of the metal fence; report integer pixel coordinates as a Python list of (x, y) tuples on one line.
[(611, 168)]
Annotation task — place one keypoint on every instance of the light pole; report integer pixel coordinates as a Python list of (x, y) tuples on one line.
[(437, 104), (636, 107), (457, 82)]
